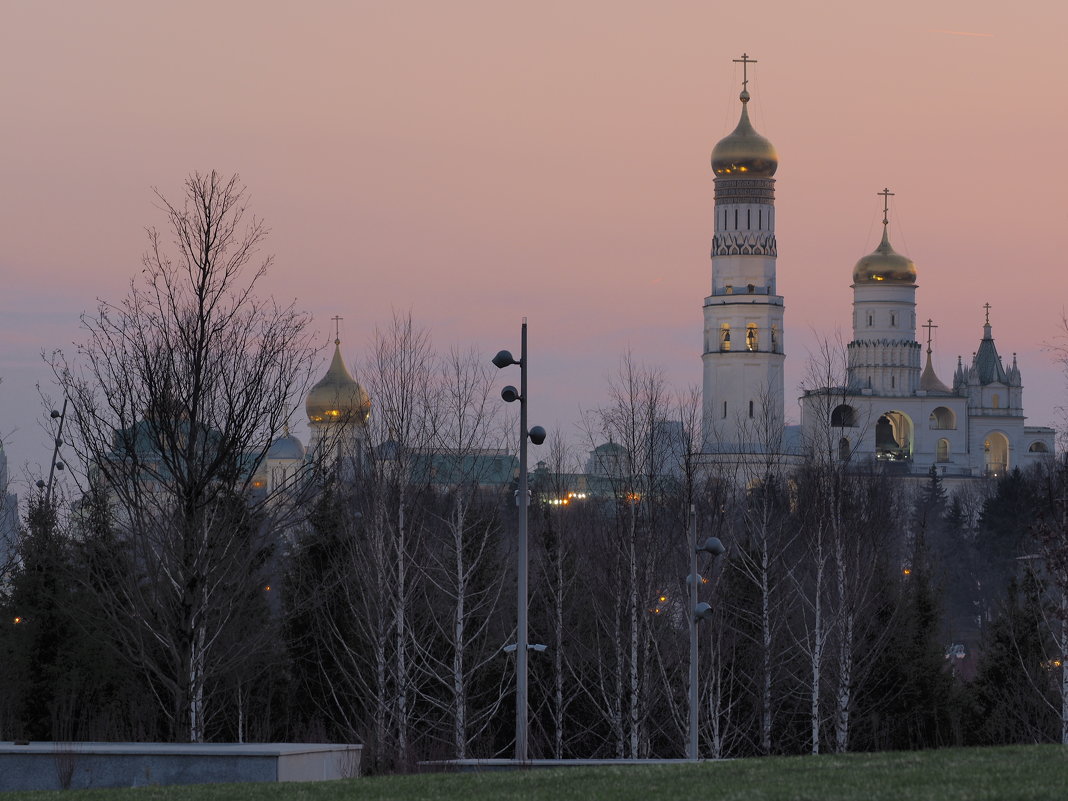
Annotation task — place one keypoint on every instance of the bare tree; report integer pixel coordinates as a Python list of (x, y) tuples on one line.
[(558, 527), (8, 525), (631, 546), (1051, 529), (176, 394), (462, 575)]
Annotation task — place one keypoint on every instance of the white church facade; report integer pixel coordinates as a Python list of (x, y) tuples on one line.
[(886, 409)]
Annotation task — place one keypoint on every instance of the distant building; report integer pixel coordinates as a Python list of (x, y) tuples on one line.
[(339, 410), (886, 408)]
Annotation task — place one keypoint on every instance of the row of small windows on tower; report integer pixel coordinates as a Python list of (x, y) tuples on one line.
[(725, 410), (752, 338), (894, 317), (893, 382), (748, 219), (751, 289)]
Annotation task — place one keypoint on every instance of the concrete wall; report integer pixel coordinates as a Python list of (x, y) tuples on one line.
[(50, 766)]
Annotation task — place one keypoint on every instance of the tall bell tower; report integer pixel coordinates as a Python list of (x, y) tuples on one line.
[(743, 351)]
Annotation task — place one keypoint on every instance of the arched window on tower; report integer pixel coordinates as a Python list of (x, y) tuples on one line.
[(943, 417), (844, 451), (843, 415), (893, 319), (942, 450), (750, 408), (774, 339), (871, 319), (752, 343), (725, 337), (995, 401)]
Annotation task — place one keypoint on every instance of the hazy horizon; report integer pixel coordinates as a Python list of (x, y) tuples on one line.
[(478, 162)]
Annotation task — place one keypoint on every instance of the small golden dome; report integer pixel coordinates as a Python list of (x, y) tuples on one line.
[(884, 266), (744, 153), (338, 397)]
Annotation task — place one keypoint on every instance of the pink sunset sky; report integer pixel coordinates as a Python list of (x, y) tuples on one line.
[(475, 162)]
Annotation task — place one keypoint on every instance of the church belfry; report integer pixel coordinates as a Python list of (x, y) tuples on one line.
[(743, 347), (884, 356)]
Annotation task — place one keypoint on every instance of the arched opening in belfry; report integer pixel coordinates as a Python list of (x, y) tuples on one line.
[(943, 418), (893, 436), (1038, 447), (752, 339), (844, 416), (996, 451)]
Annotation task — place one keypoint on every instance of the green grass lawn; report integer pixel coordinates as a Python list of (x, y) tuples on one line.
[(1006, 774)]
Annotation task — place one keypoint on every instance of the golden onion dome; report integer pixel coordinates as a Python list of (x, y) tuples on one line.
[(338, 397), (744, 153), (884, 266)]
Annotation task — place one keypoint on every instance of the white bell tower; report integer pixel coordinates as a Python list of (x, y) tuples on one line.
[(743, 349), (884, 356)]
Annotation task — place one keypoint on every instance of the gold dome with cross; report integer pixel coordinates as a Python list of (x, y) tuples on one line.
[(744, 153)]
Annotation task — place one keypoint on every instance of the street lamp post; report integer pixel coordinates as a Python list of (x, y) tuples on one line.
[(698, 612), (56, 463), (537, 436)]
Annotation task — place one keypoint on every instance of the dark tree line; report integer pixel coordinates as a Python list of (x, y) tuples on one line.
[(332, 661)]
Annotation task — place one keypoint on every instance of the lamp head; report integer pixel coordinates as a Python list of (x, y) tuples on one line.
[(53, 414), (713, 546), (509, 393), (503, 359), (702, 611), (537, 435)]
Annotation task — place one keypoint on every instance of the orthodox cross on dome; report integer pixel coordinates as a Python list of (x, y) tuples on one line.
[(745, 61), (337, 329), (887, 194), (930, 325), (987, 307)]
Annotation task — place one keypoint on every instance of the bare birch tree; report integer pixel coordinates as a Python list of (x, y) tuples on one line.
[(463, 573), (176, 395), (635, 472)]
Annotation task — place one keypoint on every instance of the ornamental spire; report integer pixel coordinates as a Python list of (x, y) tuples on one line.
[(745, 61)]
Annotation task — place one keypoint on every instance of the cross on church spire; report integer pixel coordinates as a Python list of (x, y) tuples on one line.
[(987, 307), (337, 329), (745, 61), (930, 325), (887, 194)]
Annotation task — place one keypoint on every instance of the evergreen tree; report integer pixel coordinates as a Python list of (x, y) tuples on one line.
[(1013, 699), (920, 711)]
